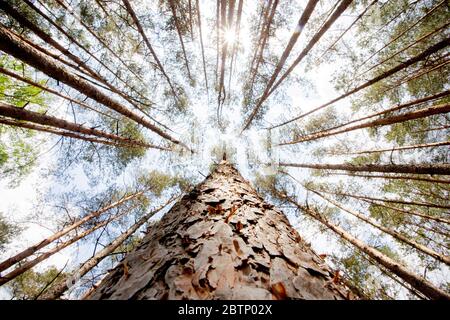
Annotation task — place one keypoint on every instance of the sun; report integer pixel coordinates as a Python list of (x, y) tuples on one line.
[(229, 36)]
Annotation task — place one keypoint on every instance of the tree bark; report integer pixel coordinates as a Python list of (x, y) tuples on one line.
[(393, 233), (31, 250), (59, 289), (221, 241), (292, 41), (26, 53), (435, 168), (421, 56), (416, 281), (21, 114), (418, 114)]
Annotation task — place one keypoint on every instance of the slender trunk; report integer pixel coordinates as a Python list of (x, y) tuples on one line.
[(292, 41), (37, 85), (221, 97), (389, 110), (265, 37), (433, 129), (21, 114), (416, 281), (217, 41), (102, 42), (191, 29), (61, 287), (393, 233), (221, 241), (409, 147), (409, 203), (24, 52), (336, 14), (388, 177), (418, 40), (201, 44), (435, 168), (418, 114), (97, 75), (30, 264), (263, 20), (402, 33), (421, 56), (149, 46), (180, 36), (68, 134), (44, 36), (347, 29), (425, 216), (416, 75), (237, 31), (34, 248)]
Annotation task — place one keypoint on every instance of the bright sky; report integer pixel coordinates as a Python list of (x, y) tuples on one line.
[(20, 202)]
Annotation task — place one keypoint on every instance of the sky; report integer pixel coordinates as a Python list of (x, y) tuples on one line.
[(20, 202)]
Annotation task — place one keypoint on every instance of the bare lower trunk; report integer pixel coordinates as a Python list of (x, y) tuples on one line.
[(13, 46), (413, 115), (397, 235), (62, 286), (21, 114), (33, 249), (222, 241), (416, 281), (421, 56), (435, 168)]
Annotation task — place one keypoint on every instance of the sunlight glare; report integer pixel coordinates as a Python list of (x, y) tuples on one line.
[(229, 36)]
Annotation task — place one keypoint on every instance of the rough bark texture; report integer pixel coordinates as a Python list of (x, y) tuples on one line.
[(11, 45), (222, 241), (422, 56), (435, 168), (418, 114), (415, 280)]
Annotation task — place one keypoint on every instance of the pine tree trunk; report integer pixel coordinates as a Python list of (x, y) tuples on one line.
[(13, 46), (57, 235), (413, 115), (21, 114), (222, 241), (397, 235), (294, 37), (434, 168), (58, 290), (421, 56)]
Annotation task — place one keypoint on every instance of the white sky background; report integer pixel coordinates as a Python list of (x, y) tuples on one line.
[(18, 203)]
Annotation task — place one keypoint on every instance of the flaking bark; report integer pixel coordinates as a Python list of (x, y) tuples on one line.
[(222, 241)]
